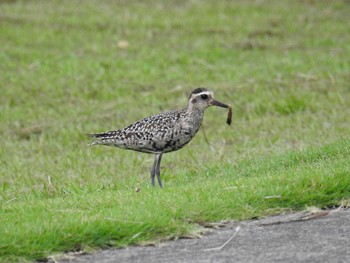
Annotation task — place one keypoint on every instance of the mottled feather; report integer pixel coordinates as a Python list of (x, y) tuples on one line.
[(164, 132)]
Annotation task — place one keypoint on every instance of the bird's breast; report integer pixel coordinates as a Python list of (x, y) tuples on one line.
[(182, 134)]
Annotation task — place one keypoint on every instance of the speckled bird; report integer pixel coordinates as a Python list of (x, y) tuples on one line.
[(164, 132)]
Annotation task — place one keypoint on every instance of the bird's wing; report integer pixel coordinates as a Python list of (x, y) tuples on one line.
[(145, 135)]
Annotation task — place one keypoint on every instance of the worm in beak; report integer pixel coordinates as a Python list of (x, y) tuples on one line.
[(223, 105)]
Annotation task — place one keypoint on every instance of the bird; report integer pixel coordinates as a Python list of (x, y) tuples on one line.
[(162, 133)]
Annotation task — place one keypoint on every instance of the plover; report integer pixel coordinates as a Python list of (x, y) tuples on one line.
[(164, 132)]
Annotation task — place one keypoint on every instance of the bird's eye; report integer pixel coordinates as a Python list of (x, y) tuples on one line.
[(204, 96)]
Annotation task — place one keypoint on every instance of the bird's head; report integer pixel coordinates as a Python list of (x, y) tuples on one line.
[(202, 98)]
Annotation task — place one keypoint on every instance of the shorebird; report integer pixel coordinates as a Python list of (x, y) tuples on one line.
[(164, 132)]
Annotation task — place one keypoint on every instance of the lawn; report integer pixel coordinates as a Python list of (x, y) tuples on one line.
[(69, 68)]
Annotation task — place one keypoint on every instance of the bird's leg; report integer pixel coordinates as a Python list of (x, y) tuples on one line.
[(153, 171), (158, 158)]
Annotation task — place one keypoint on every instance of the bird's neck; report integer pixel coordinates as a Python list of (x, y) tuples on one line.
[(196, 114), (194, 110)]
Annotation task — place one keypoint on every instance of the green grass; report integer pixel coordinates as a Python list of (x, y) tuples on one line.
[(282, 64), (74, 217)]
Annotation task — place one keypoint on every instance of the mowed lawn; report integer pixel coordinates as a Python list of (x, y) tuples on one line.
[(74, 67)]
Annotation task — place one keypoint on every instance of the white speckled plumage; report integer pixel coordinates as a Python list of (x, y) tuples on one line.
[(164, 132)]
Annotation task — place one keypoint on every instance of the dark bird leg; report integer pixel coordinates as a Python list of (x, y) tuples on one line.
[(156, 169), (153, 171)]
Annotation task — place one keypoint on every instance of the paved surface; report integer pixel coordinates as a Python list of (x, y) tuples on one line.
[(322, 236)]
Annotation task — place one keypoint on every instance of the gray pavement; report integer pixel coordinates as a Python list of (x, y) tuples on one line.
[(322, 236)]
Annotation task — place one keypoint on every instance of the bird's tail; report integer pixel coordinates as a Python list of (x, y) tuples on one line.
[(102, 138), (95, 136)]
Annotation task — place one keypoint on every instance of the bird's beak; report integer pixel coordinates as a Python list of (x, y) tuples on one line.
[(219, 104)]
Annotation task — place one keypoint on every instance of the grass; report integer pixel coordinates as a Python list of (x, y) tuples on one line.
[(66, 71), (75, 218)]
